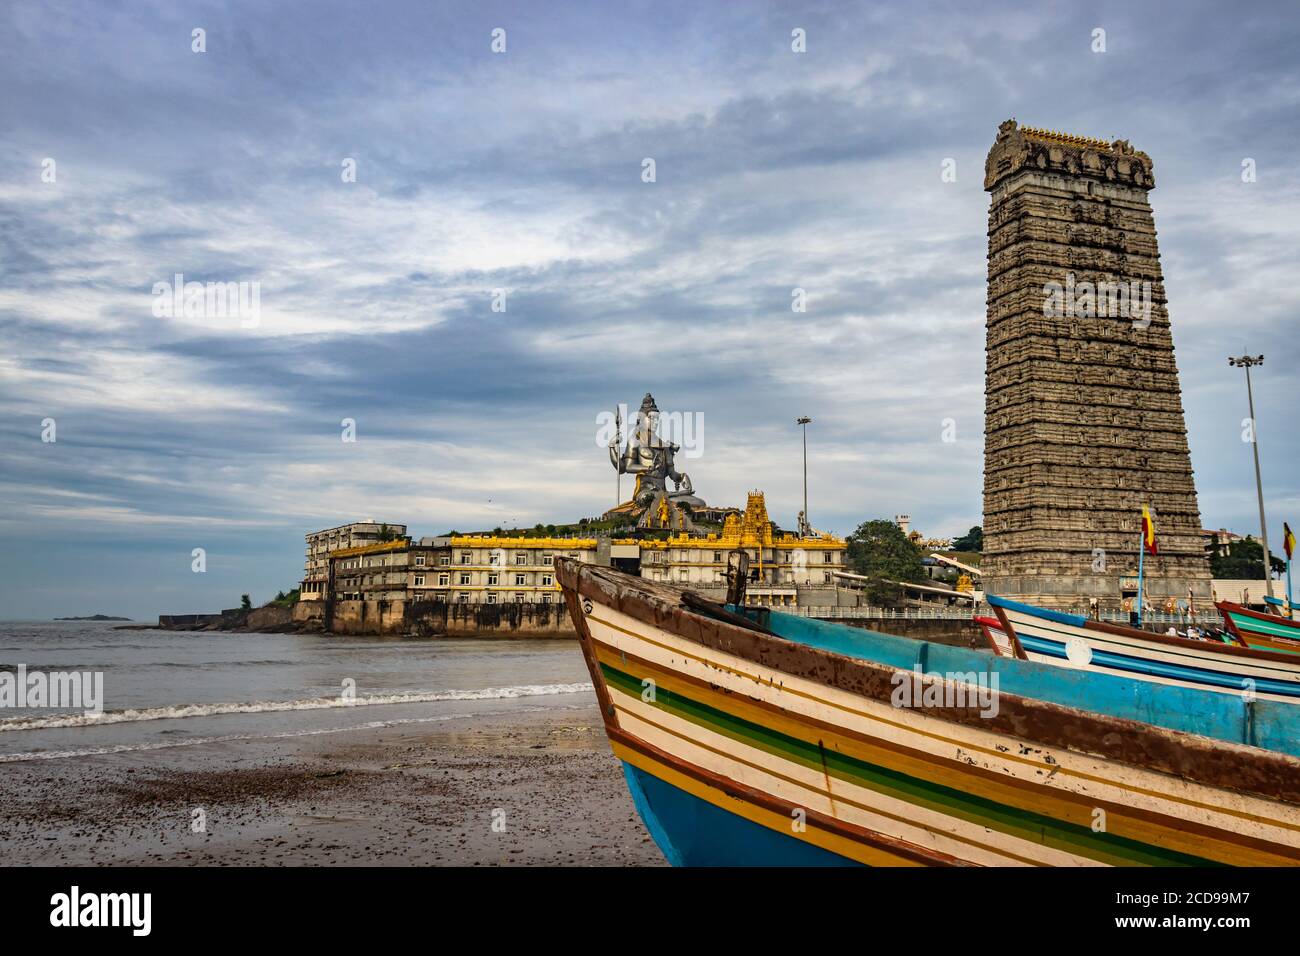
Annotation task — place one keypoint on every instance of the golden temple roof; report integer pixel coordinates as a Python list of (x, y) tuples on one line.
[(1064, 139)]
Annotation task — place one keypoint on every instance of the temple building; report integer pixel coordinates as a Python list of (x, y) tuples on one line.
[(784, 569), (1083, 411)]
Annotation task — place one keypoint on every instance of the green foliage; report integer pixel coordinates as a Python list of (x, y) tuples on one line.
[(879, 550), (286, 599), (245, 601), (1244, 561), (972, 540)]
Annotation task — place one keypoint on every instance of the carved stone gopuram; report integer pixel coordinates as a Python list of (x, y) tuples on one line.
[(1083, 412)]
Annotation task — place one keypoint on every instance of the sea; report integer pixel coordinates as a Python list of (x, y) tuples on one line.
[(168, 689)]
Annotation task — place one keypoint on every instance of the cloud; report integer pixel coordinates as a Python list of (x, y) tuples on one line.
[(522, 172)]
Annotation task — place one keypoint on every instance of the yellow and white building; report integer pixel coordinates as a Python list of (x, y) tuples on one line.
[(782, 567), (785, 569)]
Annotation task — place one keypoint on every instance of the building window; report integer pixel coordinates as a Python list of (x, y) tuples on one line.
[(717, 557), (520, 580), (464, 577), (419, 580), (462, 598), (826, 576), (419, 559), (493, 579), (519, 598), (827, 557), (546, 581), (494, 558), (547, 557), (492, 598), (546, 599), (444, 559), (521, 557), (444, 579), (464, 557)]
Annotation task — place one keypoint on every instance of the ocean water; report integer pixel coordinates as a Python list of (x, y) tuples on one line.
[(165, 689)]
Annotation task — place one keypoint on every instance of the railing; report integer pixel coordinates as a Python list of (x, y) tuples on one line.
[(878, 613), (965, 614)]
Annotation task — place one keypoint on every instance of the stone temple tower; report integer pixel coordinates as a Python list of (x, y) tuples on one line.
[(1083, 413)]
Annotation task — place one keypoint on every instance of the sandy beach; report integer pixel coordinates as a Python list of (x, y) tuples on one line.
[(511, 789)]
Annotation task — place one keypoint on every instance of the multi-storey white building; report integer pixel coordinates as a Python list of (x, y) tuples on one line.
[(494, 569), (320, 544)]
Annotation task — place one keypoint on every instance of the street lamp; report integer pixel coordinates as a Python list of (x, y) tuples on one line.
[(805, 421), (1246, 361)]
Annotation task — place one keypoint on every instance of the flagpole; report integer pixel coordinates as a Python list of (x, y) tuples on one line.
[(1142, 547), (1290, 606), (1288, 546)]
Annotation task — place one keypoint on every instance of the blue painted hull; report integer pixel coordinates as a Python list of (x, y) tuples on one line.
[(1270, 724), (1039, 644), (693, 832)]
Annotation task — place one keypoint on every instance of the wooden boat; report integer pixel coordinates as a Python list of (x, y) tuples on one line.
[(1284, 607), (774, 739), (1062, 638), (1262, 631)]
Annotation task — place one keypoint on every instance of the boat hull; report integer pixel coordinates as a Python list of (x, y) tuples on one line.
[(726, 733), (1069, 640), (1261, 631)]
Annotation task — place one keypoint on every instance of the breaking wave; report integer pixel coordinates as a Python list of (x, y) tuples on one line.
[(228, 738), (178, 711)]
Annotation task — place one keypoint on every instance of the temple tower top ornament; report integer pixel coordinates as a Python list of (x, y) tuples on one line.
[(1028, 148)]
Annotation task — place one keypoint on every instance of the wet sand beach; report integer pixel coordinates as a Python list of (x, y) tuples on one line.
[(511, 789)]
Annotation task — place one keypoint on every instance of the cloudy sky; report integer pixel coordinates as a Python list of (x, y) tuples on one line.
[(522, 171)]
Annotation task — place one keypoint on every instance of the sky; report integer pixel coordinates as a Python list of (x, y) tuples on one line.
[(457, 249)]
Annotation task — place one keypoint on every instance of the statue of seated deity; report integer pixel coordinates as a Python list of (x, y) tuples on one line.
[(651, 459)]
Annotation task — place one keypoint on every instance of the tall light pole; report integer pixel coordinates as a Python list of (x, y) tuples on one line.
[(1246, 361), (805, 421)]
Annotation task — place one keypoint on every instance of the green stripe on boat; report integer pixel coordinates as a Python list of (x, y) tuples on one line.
[(1026, 824)]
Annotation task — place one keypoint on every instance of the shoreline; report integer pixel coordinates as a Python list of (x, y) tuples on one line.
[(540, 788)]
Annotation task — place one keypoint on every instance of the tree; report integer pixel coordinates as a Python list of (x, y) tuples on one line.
[(386, 533), (245, 601), (1243, 562), (972, 541), (879, 550)]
